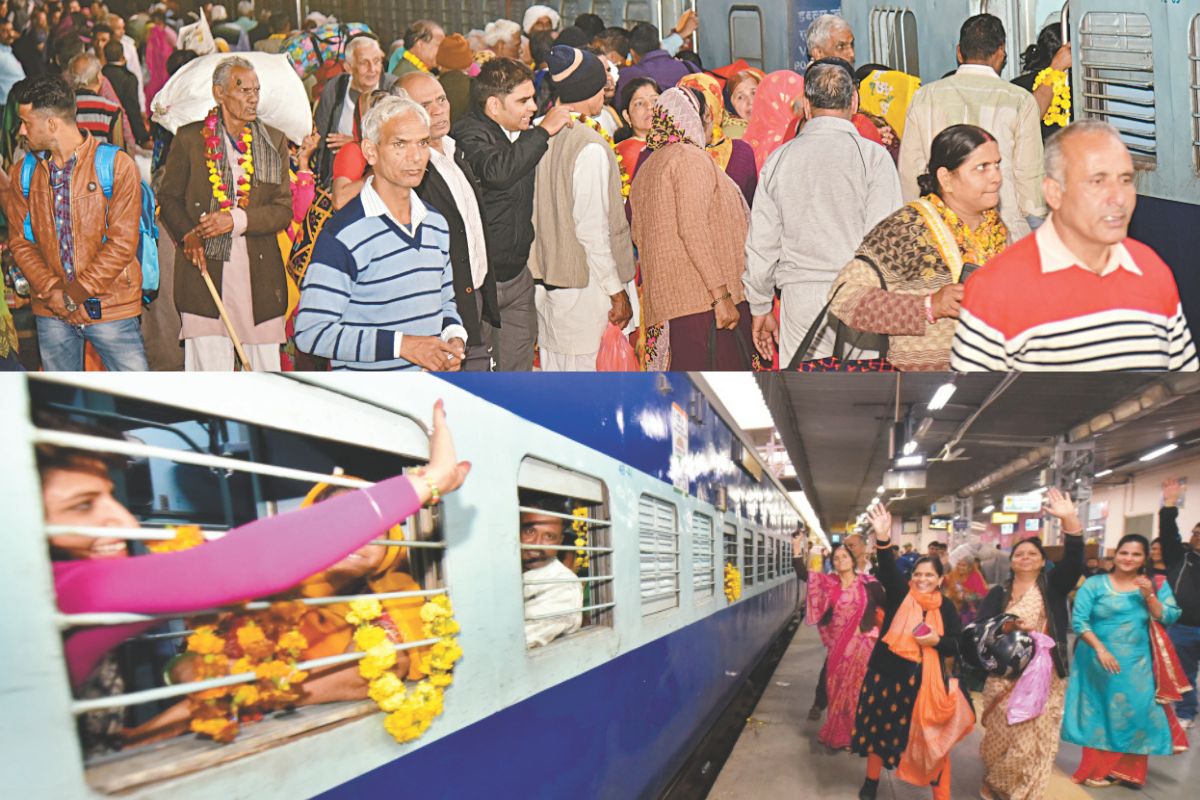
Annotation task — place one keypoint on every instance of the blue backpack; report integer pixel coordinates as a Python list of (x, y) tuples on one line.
[(147, 252)]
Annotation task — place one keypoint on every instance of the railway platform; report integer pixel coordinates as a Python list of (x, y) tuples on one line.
[(777, 754)]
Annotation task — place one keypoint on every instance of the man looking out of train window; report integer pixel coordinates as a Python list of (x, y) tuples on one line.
[(1078, 294), (977, 95), (379, 291), (553, 595)]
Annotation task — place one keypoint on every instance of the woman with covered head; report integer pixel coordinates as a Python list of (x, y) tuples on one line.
[(774, 112), (1018, 758), (922, 252), (738, 94), (842, 605), (734, 156), (1118, 699), (690, 251), (909, 714)]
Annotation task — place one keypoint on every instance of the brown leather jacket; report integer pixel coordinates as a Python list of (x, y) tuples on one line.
[(105, 233)]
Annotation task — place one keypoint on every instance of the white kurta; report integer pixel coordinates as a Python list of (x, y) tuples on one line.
[(549, 598)]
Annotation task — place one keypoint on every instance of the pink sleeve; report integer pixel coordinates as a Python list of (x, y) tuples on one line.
[(820, 596), (261, 558), (303, 192)]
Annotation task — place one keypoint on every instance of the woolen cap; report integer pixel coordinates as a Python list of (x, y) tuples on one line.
[(577, 74), (455, 52)]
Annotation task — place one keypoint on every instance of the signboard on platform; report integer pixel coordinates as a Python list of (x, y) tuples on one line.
[(1001, 518), (804, 13), (1023, 503), (679, 447), (1007, 529), (1033, 524)]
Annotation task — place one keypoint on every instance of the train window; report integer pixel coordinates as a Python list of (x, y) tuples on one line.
[(603, 10), (746, 34), (748, 574), (658, 539), (1117, 72), (894, 39), (729, 533), (637, 11), (761, 561), (704, 579), (570, 9), (196, 456), (1194, 61), (566, 552)]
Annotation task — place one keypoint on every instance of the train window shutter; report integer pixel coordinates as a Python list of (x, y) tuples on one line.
[(658, 548), (703, 569), (1194, 74), (1116, 71)]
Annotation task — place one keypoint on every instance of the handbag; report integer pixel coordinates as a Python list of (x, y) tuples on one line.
[(743, 347), (838, 362)]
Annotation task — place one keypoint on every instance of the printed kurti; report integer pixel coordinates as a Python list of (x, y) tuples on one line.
[(1116, 712)]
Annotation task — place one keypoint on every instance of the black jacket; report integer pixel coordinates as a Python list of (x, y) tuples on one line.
[(325, 120), (435, 192), (126, 87), (505, 170), (1183, 566), (1059, 583)]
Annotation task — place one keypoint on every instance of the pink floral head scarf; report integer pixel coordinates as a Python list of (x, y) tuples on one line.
[(772, 113)]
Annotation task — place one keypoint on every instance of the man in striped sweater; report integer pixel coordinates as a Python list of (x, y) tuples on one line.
[(1077, 294), (379, 291)]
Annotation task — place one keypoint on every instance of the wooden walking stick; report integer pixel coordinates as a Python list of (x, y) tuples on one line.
[(237, 345)]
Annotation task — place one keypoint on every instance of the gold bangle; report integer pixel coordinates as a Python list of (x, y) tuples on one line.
[(435, 496), (726, 296)]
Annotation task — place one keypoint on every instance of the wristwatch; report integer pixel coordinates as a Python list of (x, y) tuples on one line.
[(71, 305)]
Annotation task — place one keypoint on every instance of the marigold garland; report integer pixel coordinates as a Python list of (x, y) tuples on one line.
[(594, 125), (414, 60), (580, 528), (214, 154), (410, 712), (1059, 112), (733, 583), (186, 537), (977, 246)]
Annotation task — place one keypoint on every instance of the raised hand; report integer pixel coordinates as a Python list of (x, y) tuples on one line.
[(1171, 489), (881, 522), (1058, 504)]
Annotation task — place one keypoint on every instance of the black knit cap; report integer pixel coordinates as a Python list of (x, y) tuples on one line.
[(577, 74)]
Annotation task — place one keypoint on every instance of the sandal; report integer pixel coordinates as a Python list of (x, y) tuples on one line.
[(1098, 783)]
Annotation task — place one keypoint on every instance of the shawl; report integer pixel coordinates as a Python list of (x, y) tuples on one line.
[(773, 112), (676, 119), (268, 168), (912, 612), (721, 147)]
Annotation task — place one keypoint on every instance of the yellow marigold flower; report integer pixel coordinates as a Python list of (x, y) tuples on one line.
[(369, 636), (212, 694), (441, 679), (292, 640), (377, 661), (364, 611), (219, 729), (205, 641), (272, 670), (241, 665), (249, 635), (246, 695), (397, 723)]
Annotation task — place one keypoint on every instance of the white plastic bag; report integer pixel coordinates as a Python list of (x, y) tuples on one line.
[(283, 103)]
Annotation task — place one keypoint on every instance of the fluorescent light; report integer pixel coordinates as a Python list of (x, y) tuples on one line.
[(1103, 473), (942, 396), (909, 447), (910, 461), (989, 509), (1162, 451)]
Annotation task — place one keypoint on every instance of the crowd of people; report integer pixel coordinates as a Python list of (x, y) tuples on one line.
[(922, 647), (562, 197)]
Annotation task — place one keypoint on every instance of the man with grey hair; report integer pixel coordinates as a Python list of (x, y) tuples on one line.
[(379, 292), (229, 230), (827, 185), (417, 50), (829, 36), (94, 113), (337, 114), (1078, 294)]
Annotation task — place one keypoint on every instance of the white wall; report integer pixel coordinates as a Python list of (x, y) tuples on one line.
[(1142, 494)]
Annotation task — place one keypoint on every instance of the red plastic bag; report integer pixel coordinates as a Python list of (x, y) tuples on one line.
[(616, 354)]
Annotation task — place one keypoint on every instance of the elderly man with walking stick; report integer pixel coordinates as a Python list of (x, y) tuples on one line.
[(225, 197)]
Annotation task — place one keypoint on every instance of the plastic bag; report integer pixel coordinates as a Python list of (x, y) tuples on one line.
[(1028, 697), (616, 353)]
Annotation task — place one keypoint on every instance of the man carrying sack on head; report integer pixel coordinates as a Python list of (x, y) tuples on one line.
[(225, 197)]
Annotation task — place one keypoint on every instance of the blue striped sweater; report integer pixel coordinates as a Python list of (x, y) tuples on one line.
[(369, 280)]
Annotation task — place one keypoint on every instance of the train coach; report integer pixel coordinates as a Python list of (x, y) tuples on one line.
[(668, 492)]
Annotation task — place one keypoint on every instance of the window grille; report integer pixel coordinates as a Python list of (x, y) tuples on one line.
[(729, 532), (894, 39), (658, 542), (1117, 75), (762, 557), (703, 570), (1194, 85), (749, 577)]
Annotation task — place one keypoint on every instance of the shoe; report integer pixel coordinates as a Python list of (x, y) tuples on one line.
[(814, 713), (1187, 724), (868, 790), (1098, 783)]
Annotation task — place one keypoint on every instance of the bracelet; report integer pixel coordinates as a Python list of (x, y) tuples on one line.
[(929, 309), (717, 302), (435, 496)]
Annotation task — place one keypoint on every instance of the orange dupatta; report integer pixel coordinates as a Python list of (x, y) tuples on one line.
[(941, 715)]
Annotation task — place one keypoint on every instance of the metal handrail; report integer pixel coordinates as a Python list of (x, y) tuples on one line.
[(593, 579), (560, 515), (166, 692), (566, 547), (567, 611), (145, 534)]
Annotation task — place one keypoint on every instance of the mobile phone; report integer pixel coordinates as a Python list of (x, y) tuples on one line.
[(922, 630), (92, 307), (967, 269)]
